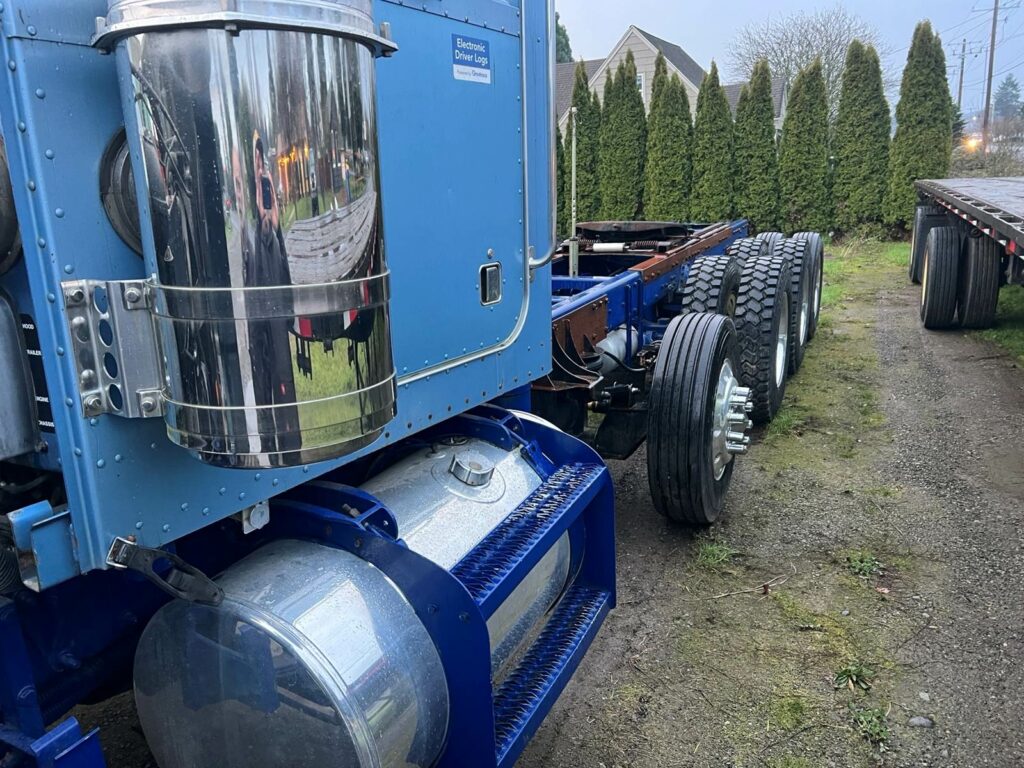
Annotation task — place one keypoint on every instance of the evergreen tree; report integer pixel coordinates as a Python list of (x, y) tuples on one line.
[(1006, 101), (923, 142), (563, 48), (803, 154), (561, 187), (757, 161), (588, 127), (712, 195), (861, 144), (669, 140), (623, 145)]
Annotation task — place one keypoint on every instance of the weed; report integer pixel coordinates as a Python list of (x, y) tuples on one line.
[(714, 554), (873, 725), (854, 675), (789, 712), (863, 564)]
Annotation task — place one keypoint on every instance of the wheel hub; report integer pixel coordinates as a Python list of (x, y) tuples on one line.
[(729, 428)]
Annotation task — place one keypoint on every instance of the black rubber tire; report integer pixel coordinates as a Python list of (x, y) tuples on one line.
[(712, 285), (940, 277), (816, 251), (801, 289), (747, 248), (680, 418), (981, 265), (926, 218), (773, 239), (758, 320)]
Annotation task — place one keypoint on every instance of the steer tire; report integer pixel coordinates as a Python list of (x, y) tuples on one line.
[(980, 272), (773, 239), (681, 411), (926, 218), (712, 285), (747, 248), (762, 318), (816, 252), (940, 277)]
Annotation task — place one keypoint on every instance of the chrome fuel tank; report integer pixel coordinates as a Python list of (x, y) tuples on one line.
[(261, 191)]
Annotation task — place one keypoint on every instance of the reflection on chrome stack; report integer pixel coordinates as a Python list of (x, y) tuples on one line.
[(271, 289)]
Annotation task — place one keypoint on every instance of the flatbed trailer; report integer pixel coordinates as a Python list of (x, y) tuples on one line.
[(968, 242)]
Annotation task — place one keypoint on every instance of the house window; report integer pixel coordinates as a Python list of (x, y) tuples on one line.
[(640, 82)]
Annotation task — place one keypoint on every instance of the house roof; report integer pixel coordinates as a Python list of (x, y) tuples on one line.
[(565, 79), (679, 58), (732, 93)]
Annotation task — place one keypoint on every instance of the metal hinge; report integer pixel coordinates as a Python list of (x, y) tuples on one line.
[(115, 348), (181, 580)]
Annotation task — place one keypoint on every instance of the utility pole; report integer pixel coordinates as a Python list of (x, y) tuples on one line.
[(960, 85), (988, 86)]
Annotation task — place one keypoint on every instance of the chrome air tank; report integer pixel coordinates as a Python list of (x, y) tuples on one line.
[(253, 133)]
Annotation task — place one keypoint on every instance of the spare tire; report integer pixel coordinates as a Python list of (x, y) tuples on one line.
[(773, 239), (815, 251), (747, 248)]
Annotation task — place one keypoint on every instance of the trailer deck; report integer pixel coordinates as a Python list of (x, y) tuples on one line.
[(994, 206)]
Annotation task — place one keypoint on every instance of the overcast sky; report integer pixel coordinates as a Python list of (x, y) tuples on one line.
[(706, 29)]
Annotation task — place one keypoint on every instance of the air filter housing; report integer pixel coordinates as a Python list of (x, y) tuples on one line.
[(253, 135)]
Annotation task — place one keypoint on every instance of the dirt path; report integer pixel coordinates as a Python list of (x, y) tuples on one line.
[(888, 500)]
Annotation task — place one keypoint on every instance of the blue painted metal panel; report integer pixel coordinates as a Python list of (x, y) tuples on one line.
[(59, 106)]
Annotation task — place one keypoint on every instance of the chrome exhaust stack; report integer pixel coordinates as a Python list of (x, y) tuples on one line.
[(252, 131)]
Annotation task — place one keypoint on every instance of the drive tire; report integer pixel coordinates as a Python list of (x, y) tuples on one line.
[(815, 252), (940, 278), (712, 285), (681, 411), (762, 322), (980, 272), (747, 248), (926, 218)]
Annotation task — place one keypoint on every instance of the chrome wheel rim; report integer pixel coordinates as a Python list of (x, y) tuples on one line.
[(805, 313), (924, 279), (730, 422), (817, 287), (782, 340)]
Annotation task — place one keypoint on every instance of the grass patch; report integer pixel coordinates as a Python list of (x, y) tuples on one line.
[(788, 761), (714, 554), (1008, 331), (854, 676), (863, 564), (789, 713), (873, 725)]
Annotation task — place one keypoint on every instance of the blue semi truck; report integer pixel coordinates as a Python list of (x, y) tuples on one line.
[(304, 406)]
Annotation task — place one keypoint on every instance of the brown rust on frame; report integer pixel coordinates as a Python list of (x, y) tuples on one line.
[(702, 239)]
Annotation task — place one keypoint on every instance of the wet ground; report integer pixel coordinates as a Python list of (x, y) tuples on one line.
[(859, 604)]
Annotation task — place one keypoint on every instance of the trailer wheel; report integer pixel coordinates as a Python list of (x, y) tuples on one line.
[(939, 277), (772, 239), (763, 322), (980, 271), (747, 248), (712, 285), (816, 252), (697, 418), (926, 218), (801, 298)]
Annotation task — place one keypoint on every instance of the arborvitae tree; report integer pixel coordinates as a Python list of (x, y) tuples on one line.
[(623, 145), (561, 186), (712, 196), (803, 154), (588, 127), (563, 48), (757, 161), (861, 147), (669, 140), (923, 142)]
